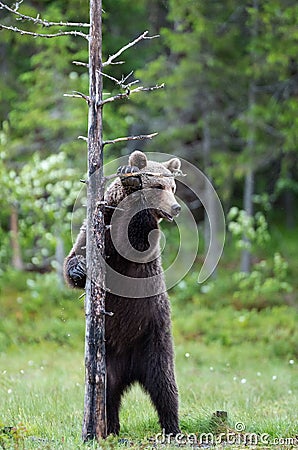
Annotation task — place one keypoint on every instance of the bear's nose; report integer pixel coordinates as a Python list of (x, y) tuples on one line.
[(176, 209)]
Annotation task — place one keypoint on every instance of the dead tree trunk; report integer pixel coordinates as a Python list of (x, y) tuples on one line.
[(94, 424)]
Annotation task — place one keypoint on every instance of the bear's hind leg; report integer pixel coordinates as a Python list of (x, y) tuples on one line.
[(113, 406), (160, 384), (114, 393), (117, 383)]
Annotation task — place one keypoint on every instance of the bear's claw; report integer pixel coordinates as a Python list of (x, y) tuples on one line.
[(127, 179)]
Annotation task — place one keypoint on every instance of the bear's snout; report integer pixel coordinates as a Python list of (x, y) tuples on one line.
[(176, 208)]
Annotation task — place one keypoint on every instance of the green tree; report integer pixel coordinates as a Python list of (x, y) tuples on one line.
[(41, 196), (36, 119), (230, 98)]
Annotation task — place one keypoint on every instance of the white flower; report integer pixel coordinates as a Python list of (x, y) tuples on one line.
[(243, 381)]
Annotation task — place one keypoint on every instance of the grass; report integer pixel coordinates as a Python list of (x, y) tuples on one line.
[(228, 358), (42, 388)]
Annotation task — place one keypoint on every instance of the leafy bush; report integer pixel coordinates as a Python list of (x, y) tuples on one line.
[(43, 192), (266, 285), (267, 282), (251, 232)]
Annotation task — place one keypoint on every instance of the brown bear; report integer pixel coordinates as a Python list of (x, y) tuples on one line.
[(138, 336)]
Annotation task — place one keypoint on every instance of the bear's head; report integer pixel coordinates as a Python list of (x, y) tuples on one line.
[(160, 188)]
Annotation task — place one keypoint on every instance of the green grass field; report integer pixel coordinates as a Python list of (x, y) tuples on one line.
[(240, 360), (42, 390)]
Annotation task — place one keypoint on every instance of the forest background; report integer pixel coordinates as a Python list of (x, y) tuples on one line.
[(229, 107)]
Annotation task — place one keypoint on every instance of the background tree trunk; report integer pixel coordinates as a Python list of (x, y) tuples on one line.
[(249, 179), (251, 145), (248, 208), (59, 257), (94, 424), (210, 217), (289, 196), (17, 262)]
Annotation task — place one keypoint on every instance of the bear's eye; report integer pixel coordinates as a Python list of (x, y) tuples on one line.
[(158, 186), (173, 189)]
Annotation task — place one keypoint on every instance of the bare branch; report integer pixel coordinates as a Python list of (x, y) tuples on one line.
[(77, 94), (128, 93), (83, 138), (130, 44), (126, 78), (175, 174), (117, 62), (148, 89), (36, 35), (110, 78), (43, 22), (130, 138), (128, 85), (106, 313), (122, 81), (80, 63), (115, 97)]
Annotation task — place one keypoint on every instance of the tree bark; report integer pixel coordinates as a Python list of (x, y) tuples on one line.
[(206, 146), (245, 265), (288, 196), (248, 208), (17, 262), (94, 424), (246, 256), (210, 215), (59, 257)]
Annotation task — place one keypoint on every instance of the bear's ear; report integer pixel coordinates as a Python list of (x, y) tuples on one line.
[(173, 164), (138, 159)]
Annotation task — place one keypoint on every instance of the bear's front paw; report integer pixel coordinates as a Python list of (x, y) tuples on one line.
[(127, 179), (77, 270)]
